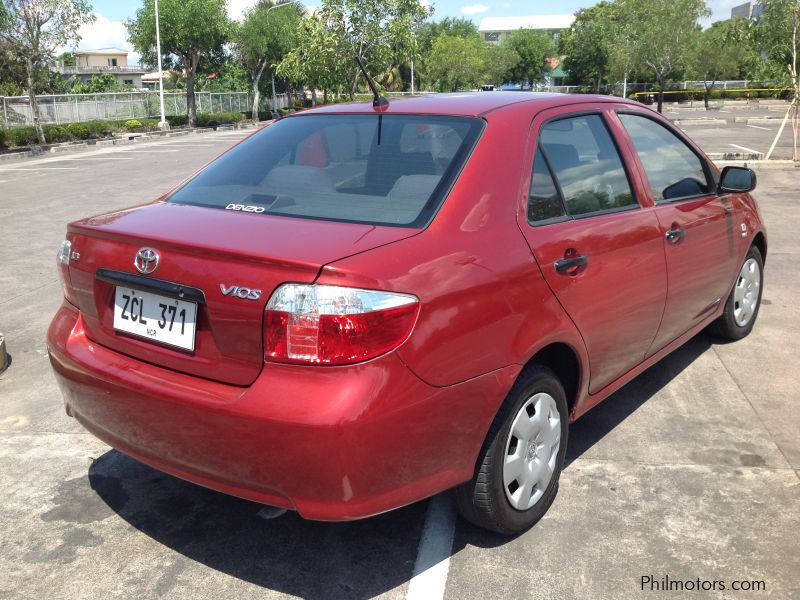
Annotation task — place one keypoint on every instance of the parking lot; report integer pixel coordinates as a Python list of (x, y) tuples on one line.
[(691, 471), (737, 128)]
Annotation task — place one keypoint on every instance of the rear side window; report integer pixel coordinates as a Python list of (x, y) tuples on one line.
[(673, 170), (377, 169), (577, 171)]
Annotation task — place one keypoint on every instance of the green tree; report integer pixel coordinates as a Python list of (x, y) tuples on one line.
[(533, 47), (780, 37), (266, 35), (230, 76), (456, 63), (98, 84), (379, 32), (499, 61), (659, 32), (430, 30), (427, 32), (587, 45), (316, 62), (191, 31), (67, 59), (720, 52), (34, 30)]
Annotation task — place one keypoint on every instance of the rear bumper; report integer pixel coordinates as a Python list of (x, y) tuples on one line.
[(333, 443)]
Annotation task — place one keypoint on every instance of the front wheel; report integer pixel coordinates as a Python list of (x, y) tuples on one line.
[(741, 307), (516, 478)]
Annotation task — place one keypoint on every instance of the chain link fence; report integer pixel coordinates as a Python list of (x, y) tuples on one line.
[(71, 108)]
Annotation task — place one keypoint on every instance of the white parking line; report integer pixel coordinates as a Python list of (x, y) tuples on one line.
[(153, 151), (759, 127), (745, 149), (433, 555), (2, 169), (178, 145), (60, 158)]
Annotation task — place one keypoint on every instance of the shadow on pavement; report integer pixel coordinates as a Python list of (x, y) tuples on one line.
[(357, 559)]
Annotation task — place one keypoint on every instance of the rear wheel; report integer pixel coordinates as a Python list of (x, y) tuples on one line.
[(741, 307), (516, 478)]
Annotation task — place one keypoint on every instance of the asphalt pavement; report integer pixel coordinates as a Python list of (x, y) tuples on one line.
[(690, 472)]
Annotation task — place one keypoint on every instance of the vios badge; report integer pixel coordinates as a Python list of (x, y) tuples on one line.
[(239, 292), (146, 260)]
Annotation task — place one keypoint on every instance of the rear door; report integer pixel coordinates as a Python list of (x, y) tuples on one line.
[(696, 224), (599, 248)]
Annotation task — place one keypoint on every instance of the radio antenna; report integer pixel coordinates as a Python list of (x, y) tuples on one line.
[(377, 99)]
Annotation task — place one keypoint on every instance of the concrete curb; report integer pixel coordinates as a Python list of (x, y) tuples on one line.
[(5, 359), (706, 122), (758, 164), (736, 156), (122, 140), (718, 122)]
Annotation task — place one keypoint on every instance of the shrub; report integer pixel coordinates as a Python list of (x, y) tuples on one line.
[(203, 119), (2, 138), (56, 133), (100, 128), (22, 136), (79, 131), (149, 123), (132, 124), (177, 120)]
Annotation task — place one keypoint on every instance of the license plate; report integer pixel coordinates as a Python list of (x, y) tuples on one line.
[(154, 317)]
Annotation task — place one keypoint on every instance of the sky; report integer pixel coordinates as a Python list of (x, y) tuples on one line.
[(108, 29)]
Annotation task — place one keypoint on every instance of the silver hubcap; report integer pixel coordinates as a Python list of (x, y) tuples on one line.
[(746, 292), (531, 451)]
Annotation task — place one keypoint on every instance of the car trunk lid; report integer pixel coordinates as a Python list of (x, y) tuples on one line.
[(222, 254)]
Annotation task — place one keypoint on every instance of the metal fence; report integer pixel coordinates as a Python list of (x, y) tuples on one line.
[(71, 108)]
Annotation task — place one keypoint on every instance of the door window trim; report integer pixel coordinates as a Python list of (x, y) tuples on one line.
[(711, 180), (635, 205)]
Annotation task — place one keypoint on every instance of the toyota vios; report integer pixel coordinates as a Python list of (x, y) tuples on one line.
[(360, 306)]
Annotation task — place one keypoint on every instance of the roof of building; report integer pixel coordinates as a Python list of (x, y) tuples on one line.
[(101, 51), (460, 103), (527, 22)]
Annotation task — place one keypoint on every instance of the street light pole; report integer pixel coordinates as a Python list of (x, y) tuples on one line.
[(412, 76), (163, 124)]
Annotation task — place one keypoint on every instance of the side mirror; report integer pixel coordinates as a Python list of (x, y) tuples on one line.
[(736, 180)]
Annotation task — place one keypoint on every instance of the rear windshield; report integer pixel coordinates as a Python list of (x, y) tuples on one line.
[(376, 169)]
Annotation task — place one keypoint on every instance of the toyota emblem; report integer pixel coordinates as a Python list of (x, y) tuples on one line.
[(146, 261)]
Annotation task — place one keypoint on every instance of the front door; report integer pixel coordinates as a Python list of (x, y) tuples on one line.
[(599, 249), (697, 225)]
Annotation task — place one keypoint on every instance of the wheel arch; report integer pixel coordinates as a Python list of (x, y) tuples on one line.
[(760, 242), (565, 362)]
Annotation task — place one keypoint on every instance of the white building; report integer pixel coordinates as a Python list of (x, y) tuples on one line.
[(105, 60), (748, 10), (496, 29)]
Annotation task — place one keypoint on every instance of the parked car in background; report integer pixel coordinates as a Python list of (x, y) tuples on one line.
[(359, 307)]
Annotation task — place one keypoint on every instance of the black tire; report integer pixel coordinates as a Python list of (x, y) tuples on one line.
[(725, 326), (482, 500)]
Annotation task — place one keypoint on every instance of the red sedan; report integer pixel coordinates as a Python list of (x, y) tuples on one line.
[(361, 306)]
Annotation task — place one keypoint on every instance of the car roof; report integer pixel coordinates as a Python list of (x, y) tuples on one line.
[(471, 104)]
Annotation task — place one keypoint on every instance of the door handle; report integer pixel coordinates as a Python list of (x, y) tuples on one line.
[(675, 235), (565, 265)]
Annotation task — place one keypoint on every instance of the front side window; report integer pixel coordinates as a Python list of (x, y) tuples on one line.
[(377, 169), (579, 155), (673, 170)]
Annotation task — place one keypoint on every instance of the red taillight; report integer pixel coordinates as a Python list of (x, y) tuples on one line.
[(64, 255), (332, 325)]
